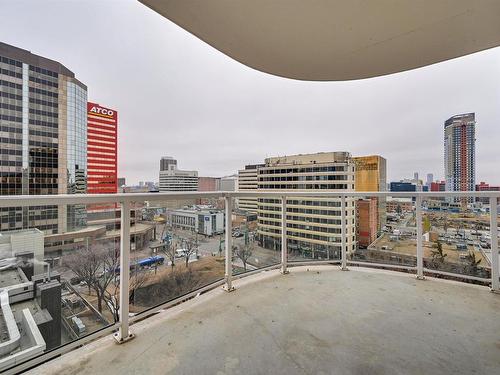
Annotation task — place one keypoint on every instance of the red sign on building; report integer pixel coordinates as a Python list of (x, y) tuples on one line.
[(102, 149)]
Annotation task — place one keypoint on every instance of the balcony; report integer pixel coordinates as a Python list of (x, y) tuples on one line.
[(426, 278), (317, 319)]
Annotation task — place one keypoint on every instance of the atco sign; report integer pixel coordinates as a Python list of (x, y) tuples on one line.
[(102, 111)]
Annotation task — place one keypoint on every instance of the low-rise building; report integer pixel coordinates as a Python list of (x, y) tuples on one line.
[(26, 245), (207, 222), (402, 186), (399, 205), (483, 186)]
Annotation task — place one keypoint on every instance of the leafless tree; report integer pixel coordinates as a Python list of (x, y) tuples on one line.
[(170, 251), (138, 278), (244, 252), (190, 248), (95, 264), (85, 264)]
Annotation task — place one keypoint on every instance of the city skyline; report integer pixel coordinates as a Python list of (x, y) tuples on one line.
[(189, 94)]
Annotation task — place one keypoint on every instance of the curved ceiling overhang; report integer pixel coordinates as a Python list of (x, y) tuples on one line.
[(327, 40)]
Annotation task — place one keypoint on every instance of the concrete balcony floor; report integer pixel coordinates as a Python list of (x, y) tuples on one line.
[(316, 320)]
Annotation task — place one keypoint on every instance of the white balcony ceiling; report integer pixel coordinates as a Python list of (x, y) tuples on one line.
[(328, 40)]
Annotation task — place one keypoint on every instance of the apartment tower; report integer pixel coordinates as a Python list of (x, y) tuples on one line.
[(313, 224), (460, 152), (43, 143)]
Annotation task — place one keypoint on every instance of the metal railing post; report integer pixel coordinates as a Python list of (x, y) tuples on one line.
[(284, 247), (229, 245), (420, 244), (343, 266), (123, 333), (495, 283)]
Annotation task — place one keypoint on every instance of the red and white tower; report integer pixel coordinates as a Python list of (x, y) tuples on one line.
[(102, 149)]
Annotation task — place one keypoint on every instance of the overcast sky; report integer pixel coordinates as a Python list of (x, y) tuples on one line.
[(177, 96)]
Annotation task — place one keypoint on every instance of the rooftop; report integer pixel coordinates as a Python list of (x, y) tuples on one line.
[(312, 320)]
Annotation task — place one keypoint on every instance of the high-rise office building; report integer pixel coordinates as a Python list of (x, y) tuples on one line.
[(102, 145), (247, 181), (168, 163), (313, 224), (371, 175), (43, 147), (429, 180), (176, 180), (460, 152)]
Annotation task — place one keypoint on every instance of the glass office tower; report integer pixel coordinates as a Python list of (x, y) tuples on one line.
[(43, 139)]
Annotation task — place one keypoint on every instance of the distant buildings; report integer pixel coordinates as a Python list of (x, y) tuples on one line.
[(438, 186), (402, 186), (173, 179), (229, 183), (208, 183), (176, 180), (429, 180), (460, 152), (313, 224), (43, 149), (399, 205), (483, 186), (121, 181), (102, 149), (371, 175)]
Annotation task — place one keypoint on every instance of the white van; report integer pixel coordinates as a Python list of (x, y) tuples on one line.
[(180, 253)]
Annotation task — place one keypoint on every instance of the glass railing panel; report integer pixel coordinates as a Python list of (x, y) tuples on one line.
[(457, 237), (314, 230), (177, 248), (386, 231), (256, 241), (54, 263)]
